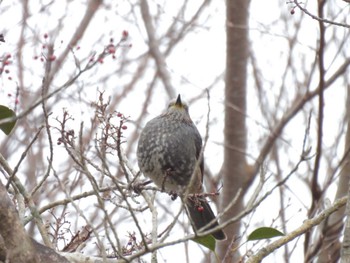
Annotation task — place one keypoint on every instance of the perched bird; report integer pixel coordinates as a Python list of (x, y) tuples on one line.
[(169, 153)]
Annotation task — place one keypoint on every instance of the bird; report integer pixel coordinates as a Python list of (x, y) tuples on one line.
[(169, 153)]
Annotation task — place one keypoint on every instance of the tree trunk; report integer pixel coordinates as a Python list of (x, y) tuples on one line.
[(235, 127), (332, 229)]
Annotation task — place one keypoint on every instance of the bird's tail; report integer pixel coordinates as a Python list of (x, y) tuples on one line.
[(201, 215)]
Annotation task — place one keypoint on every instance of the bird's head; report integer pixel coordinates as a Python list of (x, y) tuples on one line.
[(178, 108)]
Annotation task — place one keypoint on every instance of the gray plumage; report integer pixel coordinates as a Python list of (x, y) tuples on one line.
[(168, 152)]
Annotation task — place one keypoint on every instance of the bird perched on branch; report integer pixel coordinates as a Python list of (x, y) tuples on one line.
[(169, 153)]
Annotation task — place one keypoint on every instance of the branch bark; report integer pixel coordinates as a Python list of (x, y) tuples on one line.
[(306, 226), (15, 245)]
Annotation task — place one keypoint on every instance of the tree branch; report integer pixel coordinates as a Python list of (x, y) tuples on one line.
[(306, 226)]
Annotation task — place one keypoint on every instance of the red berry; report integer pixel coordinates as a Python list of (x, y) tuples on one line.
[(46, 35), (100, 60), (7, 71), (200, 209), (7, 62), (52, 58), (125, 34), (111, 49), (292, 12), (119, 114), (8, 56), (35, 57), (124, 127)]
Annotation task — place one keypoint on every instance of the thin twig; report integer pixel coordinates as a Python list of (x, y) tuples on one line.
[(319, 18)]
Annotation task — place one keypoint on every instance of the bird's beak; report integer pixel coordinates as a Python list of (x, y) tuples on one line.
[(178, 101)]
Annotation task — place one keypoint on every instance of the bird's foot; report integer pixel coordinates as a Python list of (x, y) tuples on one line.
[(137, 187)]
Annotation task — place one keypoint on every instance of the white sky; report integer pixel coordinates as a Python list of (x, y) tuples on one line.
[(193, 65)]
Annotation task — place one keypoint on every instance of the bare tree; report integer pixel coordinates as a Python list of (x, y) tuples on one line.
[(84, 83)]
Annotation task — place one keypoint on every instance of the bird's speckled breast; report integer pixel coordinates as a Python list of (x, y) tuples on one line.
[(167, 152)]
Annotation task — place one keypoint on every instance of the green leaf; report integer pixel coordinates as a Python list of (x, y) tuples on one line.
[(6, 113), (264, 233), (207, 241)]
